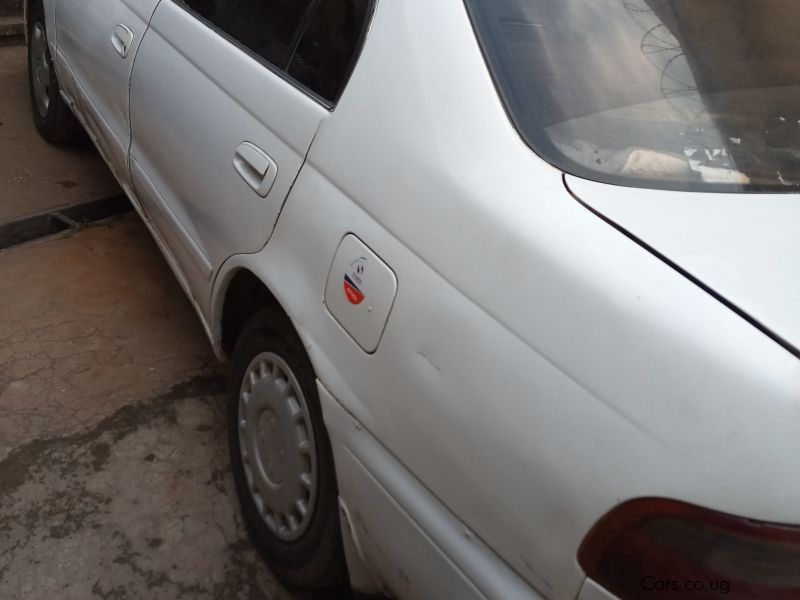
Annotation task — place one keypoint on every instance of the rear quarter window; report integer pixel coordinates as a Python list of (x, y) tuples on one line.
[(266, 27), (315, 42), (329, 45)]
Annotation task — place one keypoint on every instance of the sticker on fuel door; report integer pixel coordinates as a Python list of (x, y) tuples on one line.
[(360, 292), (354, 280)]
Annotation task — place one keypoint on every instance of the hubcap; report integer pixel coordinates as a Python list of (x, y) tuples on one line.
[(40, 69), (276, 440)]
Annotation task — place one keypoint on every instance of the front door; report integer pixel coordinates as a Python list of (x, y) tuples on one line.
[(97, 41)]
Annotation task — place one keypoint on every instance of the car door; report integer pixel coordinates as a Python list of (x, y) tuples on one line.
[(97, 41), (220, 129)]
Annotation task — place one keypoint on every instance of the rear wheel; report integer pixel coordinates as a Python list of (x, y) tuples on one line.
[(53, 118), (281, 455)]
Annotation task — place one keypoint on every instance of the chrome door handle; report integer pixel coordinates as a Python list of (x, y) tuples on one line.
[(256, 168), (122, 39)]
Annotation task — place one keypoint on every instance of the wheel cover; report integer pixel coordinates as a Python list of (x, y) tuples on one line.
[(40, 69), (276, 441)]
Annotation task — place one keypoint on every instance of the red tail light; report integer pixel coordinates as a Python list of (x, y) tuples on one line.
[(654, 548)]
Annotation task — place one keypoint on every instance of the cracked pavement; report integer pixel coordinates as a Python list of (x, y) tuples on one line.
[(114, 473)]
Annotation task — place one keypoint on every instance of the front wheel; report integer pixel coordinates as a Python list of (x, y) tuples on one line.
[(281, 456), (53, 118)]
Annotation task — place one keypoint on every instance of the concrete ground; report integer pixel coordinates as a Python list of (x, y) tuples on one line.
[(114, 473), (36, 177)]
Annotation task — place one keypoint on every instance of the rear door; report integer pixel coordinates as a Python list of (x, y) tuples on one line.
[(97, 42), (226, 99)]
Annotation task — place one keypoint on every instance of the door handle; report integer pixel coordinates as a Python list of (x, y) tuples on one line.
[(122, 39), (256, 168)]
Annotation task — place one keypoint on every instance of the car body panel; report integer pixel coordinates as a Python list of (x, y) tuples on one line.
[(531, 345), (195, 98), (468, 425), (537, 367), (419, 548), (97, 77), (592, 591), (193, 268), (744, 247)]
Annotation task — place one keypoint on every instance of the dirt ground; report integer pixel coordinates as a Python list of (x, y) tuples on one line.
[(114, 473)]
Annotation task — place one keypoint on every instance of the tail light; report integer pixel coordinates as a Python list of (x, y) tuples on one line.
[(655, 548)]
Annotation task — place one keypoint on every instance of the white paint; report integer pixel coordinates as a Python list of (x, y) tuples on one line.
[(538, 367)]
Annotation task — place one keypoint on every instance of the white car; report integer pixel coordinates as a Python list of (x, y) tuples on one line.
[(510, 288)]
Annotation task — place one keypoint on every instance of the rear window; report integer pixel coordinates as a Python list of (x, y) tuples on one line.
[(677, 94)]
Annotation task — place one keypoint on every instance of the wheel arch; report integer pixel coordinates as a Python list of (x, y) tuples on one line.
[(239, 297)]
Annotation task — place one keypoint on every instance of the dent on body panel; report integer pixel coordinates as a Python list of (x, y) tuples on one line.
[(429, 361)]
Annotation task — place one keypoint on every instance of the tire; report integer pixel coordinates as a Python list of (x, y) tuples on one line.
[(53, 119), (269, 419)]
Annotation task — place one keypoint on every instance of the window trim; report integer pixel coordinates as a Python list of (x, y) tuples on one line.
[(308, 16), (283, 72)]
